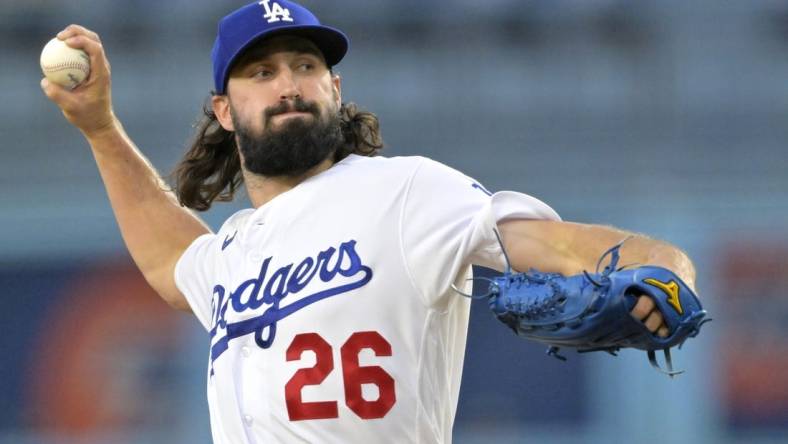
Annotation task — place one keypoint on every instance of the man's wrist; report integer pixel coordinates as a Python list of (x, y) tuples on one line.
[(675, 260), (110, 129)]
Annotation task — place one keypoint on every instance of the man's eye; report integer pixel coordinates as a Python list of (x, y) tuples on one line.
[(263, 73), (306, 67)]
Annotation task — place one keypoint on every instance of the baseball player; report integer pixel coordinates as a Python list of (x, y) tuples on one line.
[(328, 304)]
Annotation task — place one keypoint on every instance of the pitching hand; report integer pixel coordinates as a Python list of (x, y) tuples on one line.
[(89, 106)]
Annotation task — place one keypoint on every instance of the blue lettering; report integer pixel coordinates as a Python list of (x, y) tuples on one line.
[(297, 281), (252, 303), (283, 282), (349, 248), (217, 308), (279, 277), (323, 258)]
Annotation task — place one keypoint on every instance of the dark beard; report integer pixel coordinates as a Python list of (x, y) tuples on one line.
[(297, 146)]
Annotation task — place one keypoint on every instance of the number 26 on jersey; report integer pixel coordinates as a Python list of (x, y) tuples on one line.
[(353, 376)]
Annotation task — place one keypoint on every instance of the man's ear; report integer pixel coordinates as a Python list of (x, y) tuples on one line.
[(336, 83), (221, 107)]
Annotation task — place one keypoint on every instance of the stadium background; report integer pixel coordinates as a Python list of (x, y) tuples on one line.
[(664, 117)]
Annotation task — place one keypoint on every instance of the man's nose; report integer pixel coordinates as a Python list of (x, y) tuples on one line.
[(288, 86)]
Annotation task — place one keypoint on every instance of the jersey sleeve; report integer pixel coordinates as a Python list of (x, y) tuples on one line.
[(194, 274), (199, 268), (447, 224)]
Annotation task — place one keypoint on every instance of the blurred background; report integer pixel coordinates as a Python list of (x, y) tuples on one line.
[(662, 117)]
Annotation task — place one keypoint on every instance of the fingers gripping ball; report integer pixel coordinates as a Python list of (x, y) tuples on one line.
[(64, 65)]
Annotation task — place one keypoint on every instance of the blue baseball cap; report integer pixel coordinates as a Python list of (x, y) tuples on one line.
[(241, 29)]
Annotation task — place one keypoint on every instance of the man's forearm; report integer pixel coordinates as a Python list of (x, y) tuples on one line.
[(155, 228), (570, 248), (642, 250)]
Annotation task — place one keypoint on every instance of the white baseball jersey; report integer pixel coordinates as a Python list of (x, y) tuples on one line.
[(330, 308)]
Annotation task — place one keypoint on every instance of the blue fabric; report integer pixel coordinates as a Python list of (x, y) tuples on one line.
[(249, 24), (591, 312)]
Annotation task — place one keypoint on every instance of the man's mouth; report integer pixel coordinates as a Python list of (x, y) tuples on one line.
[(292, 114)]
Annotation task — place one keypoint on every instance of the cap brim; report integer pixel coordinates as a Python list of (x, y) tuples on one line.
[(331, 42)]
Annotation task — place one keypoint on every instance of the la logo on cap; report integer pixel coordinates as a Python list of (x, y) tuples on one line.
[(276, 12)]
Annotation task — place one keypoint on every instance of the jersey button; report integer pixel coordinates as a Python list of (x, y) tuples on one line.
[(246, 351), (248, 420), (254, 256)]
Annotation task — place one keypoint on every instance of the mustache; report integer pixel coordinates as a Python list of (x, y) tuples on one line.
[(297, 105)]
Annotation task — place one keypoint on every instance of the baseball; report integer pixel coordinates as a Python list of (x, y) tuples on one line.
[(63, 64)]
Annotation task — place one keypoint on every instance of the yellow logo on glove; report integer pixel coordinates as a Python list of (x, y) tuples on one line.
[(671, 289)]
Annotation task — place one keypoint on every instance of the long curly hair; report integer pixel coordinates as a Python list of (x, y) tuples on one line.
[(211, 168)]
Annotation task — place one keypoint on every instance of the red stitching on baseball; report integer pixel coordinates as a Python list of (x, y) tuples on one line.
[(66, 65)]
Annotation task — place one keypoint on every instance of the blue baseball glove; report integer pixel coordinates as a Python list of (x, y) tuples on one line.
[(591, 312)]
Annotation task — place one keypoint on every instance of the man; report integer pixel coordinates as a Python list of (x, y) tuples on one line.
[(329, 304)]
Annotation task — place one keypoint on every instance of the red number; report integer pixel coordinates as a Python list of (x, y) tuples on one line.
[(355, 375), (296, 408)]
